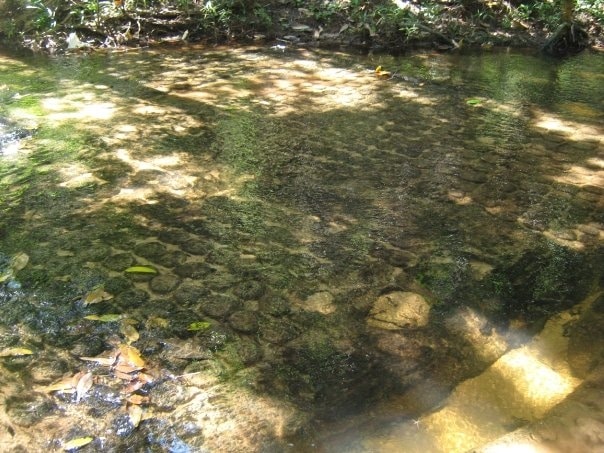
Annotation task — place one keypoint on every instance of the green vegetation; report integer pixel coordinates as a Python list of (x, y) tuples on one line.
[(48, 24)]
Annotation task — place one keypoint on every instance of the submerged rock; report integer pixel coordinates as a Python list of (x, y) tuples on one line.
[(321, 302), (399, 309), (164, 283)]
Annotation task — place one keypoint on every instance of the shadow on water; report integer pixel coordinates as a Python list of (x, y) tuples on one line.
[(281, 196)]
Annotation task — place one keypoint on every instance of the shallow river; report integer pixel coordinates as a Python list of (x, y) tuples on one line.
[(274, 249)]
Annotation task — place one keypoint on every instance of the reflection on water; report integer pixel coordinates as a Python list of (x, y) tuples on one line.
[(327, 247)]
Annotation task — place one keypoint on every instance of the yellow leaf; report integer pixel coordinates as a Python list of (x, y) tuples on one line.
[(97, 295), (129, 332), (141, 270), (79, 442), (129, 355), (135, 413), (15, 352), (110, 317)]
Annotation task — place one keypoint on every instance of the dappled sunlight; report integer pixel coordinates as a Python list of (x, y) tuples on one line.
[(63, 109), (522, 385), (77, 175), (583, 175), (572, 130), (278, 86), (538, 387)]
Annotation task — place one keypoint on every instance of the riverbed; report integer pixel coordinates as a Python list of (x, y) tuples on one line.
[(266, 248)]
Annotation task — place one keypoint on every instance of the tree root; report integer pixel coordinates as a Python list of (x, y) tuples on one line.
[(569, 39)]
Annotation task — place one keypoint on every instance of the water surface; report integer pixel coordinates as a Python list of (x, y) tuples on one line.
[(279, 195)]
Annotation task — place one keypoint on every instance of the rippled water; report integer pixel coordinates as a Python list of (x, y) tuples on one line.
[(285, 200)]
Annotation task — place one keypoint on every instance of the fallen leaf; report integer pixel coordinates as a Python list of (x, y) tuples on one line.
[(102, 360), (156, 321), (135, 413), (129, 332), (141, 270), (20, 260), (145, 378), (110, 317), (97, 295), (129, 355), (67, 384), (138, 399), (79, 442), (124, 375), (199, 325), (133, 386), (127, 369), (84, 384), (15, 352)]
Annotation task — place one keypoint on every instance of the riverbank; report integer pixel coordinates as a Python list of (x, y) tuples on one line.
[(376, 26)]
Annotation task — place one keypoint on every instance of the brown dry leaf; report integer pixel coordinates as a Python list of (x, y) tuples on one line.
[(123, 376), (126, 368), (84, 384), (66, 385), (145, 378), (106, 360), (138, 399), (136, 414), (133, 386), (129, 355), (129, 332), (97, 295)]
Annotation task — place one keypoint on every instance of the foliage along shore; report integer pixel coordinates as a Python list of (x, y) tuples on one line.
[(393, 25)]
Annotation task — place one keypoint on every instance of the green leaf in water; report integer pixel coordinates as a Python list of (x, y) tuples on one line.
[(199, 325), (18, 262), (110, 317), (473, 102), (141, 270)]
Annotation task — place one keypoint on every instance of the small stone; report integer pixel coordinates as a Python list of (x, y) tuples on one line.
[(150, 250), (191, 293), (119, 262), (278, 332), (163, 284), (399, 309), (244, 321), (249, 290), (218, 305), (321, 302), (195, 270), (275, 306)]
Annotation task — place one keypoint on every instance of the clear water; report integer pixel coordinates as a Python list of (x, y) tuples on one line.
[(278, 195)]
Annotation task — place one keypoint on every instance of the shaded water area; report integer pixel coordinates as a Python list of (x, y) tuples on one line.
[(271, 249)]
